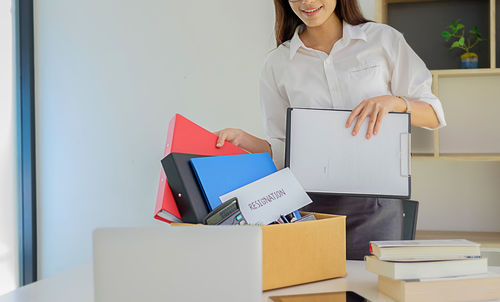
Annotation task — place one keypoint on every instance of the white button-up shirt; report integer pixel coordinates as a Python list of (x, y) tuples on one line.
[(369, 60)]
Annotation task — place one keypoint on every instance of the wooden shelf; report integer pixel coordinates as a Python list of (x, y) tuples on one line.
[(458, 157), (446, 75), (449, 73), (381, 16)]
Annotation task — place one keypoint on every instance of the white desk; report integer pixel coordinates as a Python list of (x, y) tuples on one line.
[(77, 286)]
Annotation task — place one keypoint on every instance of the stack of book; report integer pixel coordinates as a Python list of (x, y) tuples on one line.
[(432, 270)]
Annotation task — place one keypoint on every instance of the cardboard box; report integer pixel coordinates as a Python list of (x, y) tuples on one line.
[(298, 253)]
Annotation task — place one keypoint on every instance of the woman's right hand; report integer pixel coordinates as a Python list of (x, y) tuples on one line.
[(242, 140), (234, 136)]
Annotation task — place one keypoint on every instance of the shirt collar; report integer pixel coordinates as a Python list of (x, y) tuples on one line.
[(296, 42), (349, 32)]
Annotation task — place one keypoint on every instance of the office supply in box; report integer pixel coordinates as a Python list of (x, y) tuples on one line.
[(308, 217), (166, 208), (142, 264), (265, 200), (184, 136), (425, 249), (227, 213), (184, 185), (340, 163), (219, 175), (298, 253)]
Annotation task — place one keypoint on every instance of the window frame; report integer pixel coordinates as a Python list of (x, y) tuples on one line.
[(25, 86)]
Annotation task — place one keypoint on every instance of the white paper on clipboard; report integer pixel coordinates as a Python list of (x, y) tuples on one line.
[(326, 158)]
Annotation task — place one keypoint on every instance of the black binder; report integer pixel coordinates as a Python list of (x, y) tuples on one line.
[(184, 186)]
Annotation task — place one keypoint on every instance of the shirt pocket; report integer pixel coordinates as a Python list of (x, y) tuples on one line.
[(366, 72), (365, 81)]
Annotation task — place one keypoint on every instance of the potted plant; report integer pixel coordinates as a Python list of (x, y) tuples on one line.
[(464, 42)]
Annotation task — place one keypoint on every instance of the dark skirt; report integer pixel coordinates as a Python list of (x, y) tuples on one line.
[(368, 219)]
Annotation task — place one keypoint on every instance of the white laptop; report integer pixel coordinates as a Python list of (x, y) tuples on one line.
[(192, 263)]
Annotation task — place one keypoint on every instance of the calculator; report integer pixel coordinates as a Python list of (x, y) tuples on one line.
[(228, 213)]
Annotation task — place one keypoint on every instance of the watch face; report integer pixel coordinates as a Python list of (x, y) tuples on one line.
[(347, 296)]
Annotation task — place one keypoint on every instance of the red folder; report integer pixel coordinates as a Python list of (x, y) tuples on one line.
[(184, 136)]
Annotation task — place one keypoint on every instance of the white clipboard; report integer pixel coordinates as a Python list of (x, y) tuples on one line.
[(326, 158)]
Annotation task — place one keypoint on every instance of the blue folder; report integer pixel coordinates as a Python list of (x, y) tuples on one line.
[(219, 175)]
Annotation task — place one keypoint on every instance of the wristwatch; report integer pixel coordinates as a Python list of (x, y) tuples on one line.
[(408, 108)]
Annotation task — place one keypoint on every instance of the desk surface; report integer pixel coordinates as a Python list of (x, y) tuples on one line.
[(76, 286)]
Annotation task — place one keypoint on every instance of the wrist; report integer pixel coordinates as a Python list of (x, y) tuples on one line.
[(254, 144), (401, 104), (244, 139)]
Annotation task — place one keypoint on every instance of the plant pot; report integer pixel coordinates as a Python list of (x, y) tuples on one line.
[(469, 60)]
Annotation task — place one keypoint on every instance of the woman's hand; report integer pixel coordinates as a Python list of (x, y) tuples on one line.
[(374, 108), (234, 136), (243, 140)]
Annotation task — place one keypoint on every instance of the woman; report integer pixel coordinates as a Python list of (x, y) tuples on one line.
[(330, 56)]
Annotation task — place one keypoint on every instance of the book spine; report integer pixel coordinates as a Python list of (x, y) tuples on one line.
[(170, 135), (177, 187)]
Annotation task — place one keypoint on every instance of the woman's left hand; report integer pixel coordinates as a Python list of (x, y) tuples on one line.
[(374, 108)]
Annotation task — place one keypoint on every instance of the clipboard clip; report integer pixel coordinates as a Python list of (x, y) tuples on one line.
[(404, 154)]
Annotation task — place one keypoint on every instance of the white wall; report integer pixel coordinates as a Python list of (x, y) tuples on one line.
[(110, 74), (9, 273), (368, 8)]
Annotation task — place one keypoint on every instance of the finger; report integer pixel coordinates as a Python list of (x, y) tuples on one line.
[(371, 124), (361, 118), (355, 112), (217, 132), (221, 139), (380, 117)]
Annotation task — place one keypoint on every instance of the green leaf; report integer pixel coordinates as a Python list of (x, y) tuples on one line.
[(478, 35), (446, 35), (460, 26), (461, 42), (454, 30), (455, 44), (454, 23)]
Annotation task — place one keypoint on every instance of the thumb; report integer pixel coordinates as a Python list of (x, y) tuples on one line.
[(221, 139)]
